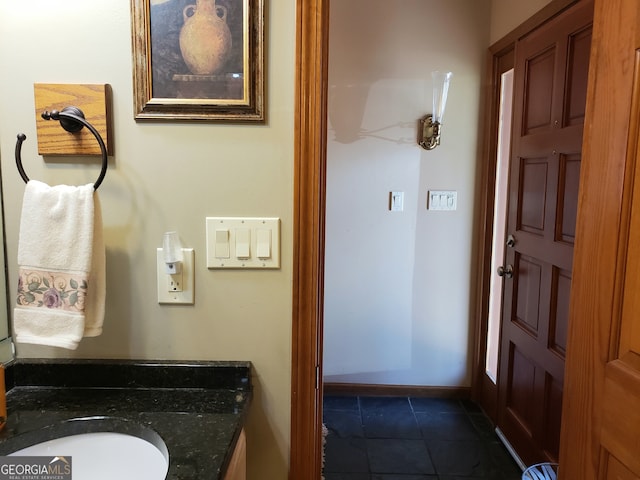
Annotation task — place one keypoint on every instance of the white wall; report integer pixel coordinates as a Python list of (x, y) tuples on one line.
[(506, 15), (165, 176), (397, 284)]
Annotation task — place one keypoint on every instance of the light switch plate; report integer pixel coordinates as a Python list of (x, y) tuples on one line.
[(442, 200), (396, 201), (238, 228), (170, 290)]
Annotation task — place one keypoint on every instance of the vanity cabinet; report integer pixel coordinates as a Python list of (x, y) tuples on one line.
[(195, 409), (238, 465)]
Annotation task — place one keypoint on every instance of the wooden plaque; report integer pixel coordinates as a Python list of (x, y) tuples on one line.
[(93, 100)]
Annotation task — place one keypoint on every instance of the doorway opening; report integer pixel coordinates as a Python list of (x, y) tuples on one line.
[(309, 205)]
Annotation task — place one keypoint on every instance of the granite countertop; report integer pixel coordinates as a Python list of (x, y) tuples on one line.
[(196, 409)]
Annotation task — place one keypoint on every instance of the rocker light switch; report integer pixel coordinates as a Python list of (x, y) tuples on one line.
[(222, 243), (263, 249), (243, 243)]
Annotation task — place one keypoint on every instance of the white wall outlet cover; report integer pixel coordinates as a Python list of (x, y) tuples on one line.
[(177, 288)]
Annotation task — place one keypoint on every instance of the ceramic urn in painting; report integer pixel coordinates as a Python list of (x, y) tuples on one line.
[(205, 38)]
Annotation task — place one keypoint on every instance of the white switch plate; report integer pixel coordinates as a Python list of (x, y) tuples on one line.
[(396, 201), (241, 224), (169, 288), (442, 200)]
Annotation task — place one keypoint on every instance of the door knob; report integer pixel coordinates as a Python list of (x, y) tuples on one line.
[(505, 271), (511, 241)]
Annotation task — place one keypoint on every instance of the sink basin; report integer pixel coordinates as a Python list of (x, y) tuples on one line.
[(99, 453)]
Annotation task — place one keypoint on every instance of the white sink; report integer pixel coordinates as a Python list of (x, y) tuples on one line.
[(105, 456)]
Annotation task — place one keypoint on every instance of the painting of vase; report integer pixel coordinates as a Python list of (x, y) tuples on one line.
[(199, 59)]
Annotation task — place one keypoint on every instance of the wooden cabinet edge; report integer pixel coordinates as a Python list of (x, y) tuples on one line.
[(237, 469)]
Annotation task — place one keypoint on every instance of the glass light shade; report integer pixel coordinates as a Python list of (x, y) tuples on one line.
[(440, 88)]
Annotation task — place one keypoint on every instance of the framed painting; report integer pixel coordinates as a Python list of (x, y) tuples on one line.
[(198, 60)]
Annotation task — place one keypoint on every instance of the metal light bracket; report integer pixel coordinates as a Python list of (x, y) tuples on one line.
[(430, 131)]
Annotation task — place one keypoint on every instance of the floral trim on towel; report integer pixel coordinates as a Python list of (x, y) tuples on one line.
[(63, 291)]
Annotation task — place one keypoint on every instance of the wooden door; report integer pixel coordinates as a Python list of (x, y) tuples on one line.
[(601, 415), (551, 66)]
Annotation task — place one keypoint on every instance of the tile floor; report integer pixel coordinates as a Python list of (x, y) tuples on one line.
[(400, 438)]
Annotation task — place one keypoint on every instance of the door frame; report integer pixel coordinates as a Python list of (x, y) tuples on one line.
[(310, 158), (312, 27)]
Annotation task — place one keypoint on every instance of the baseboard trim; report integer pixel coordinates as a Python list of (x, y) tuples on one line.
[(395, 390)]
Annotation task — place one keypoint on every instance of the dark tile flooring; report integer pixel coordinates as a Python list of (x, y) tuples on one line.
[(400, 438)]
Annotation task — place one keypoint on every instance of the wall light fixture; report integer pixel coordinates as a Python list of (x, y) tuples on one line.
[(429, 131)]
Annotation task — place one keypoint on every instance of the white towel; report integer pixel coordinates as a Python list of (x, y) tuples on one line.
[(61, 260)]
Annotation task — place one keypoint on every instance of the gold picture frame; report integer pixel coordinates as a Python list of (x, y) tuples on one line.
[(198, 60)]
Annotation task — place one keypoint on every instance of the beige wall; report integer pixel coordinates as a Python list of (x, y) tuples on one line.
[(165, 176), (508, 14)]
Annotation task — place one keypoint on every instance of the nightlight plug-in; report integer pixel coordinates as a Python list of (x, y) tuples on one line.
[(172, 249), (176, 288)]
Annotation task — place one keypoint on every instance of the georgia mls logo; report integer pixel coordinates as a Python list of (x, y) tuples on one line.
[(35, 468)]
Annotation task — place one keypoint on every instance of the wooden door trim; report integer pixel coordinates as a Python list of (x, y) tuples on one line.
[(603, 212), (308, 250)]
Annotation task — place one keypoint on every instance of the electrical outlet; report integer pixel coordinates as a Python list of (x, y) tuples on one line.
[(175, 282), (176, 288)]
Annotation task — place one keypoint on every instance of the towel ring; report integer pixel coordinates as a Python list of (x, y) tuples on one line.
[(72, 120)]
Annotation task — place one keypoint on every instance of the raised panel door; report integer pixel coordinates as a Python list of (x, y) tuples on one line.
[(550, 97)]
